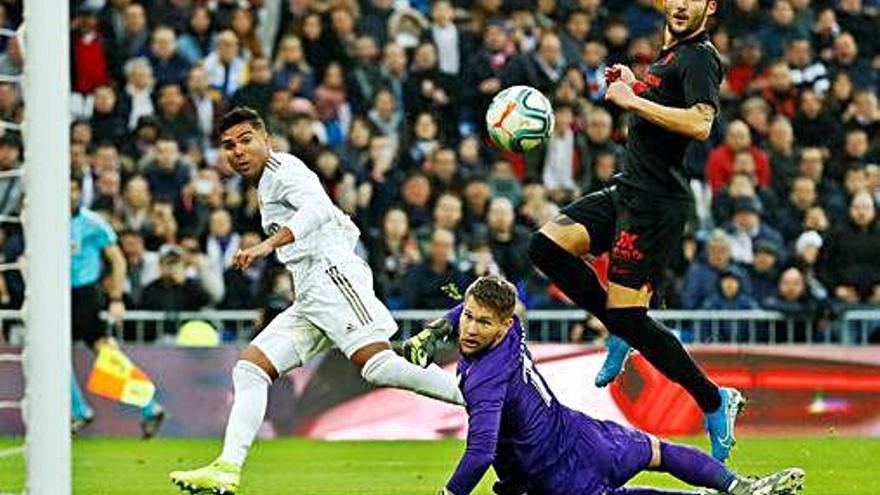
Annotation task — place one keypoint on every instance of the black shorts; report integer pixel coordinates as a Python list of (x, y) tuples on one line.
[(86, 324), (639, 231)]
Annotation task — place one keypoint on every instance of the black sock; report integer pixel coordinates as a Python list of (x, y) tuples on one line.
[(570, 273), (664, 351)]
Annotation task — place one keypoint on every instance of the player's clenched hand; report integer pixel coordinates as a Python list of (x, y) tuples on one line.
[(619, 72), (621, 95), (243, 259)]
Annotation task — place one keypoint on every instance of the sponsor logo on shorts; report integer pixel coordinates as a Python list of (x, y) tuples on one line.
[(625, 249)]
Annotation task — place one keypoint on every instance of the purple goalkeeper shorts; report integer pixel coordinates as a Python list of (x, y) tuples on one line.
[(605, 455)]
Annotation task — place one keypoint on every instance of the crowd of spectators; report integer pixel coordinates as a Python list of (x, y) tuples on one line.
[(385, 99)]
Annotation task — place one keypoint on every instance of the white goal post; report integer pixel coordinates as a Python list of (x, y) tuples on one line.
[(46, 225)]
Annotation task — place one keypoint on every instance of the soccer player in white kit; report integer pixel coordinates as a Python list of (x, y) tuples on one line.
[(335, 303)]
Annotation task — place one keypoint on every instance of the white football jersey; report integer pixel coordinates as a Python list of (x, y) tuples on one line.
[(291, 195)]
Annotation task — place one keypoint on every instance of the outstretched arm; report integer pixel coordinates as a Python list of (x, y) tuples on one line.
[(694, 122)]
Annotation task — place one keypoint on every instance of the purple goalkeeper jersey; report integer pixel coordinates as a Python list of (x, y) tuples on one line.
[(516, 425)]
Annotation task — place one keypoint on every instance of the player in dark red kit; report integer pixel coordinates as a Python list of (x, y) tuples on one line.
[(640, 218)]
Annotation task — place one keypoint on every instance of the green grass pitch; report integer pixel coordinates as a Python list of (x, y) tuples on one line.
[(835, 466)]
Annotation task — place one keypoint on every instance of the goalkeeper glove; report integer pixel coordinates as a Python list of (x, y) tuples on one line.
[(421, 348)]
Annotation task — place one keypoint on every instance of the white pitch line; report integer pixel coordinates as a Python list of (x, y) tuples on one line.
[(12, 452)]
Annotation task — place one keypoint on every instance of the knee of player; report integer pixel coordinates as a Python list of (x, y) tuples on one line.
[(252, 358), (249, 373)]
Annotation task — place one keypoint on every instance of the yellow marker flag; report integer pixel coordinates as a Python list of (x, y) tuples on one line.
[(115, 377)]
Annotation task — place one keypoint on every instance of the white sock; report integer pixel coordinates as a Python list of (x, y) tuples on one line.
[(387, 369), (251, 385)]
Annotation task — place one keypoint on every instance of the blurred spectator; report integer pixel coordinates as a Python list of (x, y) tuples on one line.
[(848, 60), (746, 17), (559, 163), (142, 267), (366, 77), (745, 74), (575, 36), (452, 43), (504, 183), (789, 217), (428, 89), (138, 90), (780, 93), (720, 166), (162, 227), (227, 70), (174, 116), (806, 72), (166, 172), (279, 297), (850, 263), (507, 240), (781, 152), (108, 120), (781, 29), (483, 72), (173, 291), (764, 270), (386, 116), (442, 168), (206, 108), (594, 70), (240, 287), (132, 40), (11, 187), (221, 243), (195, 43), (701, 280), (746, 228), (424, 142), (291, 70), (447, 216), (242, 25), (541, 69), (831, 196), (807, 249), (11, 281), (168, 65), (423, 286), (814, 126), (799, 306), (258, 90), (90, 67), (730, 296), (393, 250)]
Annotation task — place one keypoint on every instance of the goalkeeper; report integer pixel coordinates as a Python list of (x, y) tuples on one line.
[(539, 446)]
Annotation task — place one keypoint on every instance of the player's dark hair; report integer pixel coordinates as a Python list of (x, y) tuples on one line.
[(495, 292), (239, 115)]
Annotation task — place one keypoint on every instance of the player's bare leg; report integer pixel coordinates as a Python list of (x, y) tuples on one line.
[(382, 367), (251, 378)]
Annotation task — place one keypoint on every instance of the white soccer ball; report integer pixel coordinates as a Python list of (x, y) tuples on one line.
[(520, 119)]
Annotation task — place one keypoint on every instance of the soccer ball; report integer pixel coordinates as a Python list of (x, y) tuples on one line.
[(520, 119)]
